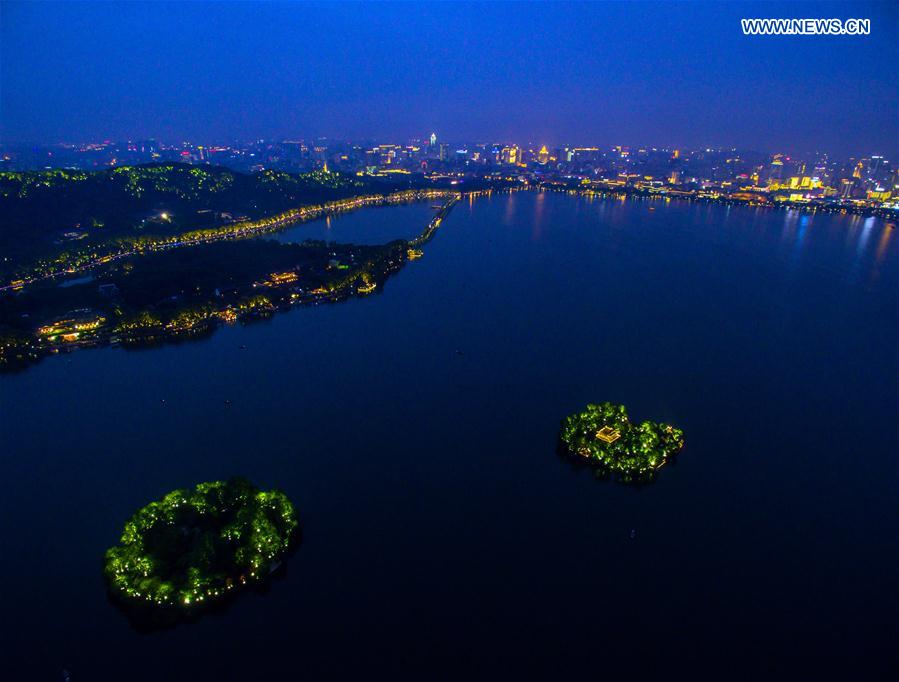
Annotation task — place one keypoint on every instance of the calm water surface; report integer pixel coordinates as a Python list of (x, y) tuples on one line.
[(377, 225), (416, 430)]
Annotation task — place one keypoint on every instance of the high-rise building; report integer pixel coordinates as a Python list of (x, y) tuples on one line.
[(387, 153), (878, 170), (433, 139), (775, 170), (511, 155), (846, 186)]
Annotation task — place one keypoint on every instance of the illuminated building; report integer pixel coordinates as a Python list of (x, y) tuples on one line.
[(804, 182), (283, 277), (584, 154), (776, 168), (387, 153), (511, 155), (608, 434)]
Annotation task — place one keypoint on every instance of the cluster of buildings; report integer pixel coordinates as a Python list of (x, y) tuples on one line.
[(79, 326), (871, 181)]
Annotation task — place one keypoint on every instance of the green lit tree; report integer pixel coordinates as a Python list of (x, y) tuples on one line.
[(603, 435), (193, 546)]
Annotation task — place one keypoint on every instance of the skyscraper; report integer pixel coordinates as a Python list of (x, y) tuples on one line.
[(511, 155)]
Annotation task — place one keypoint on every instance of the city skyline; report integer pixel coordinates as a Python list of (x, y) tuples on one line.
[(867, 184), (363, 340), (419, 139), (658, 76)]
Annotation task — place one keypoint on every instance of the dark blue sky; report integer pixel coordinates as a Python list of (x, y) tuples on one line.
[(639, 73)]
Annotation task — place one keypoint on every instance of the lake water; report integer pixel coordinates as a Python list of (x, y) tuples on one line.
[(377, 225), (65, 284), (415, 430)]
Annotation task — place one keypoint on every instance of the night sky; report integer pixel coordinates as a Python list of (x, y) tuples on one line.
[(636, 74)]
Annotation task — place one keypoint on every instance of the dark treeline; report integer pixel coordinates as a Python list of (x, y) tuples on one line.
[(46, 212)]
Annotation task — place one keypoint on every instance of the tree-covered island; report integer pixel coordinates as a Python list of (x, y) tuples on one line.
[(604, 435), (194, 547)]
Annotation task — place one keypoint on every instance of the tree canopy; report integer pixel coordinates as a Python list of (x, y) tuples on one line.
[(605, 435), (194, 546)]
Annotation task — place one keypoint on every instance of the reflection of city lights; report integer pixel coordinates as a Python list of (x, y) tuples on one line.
[(865, 235), (882, 244)]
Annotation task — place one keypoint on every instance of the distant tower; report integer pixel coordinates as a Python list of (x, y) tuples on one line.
[(846, 187), (777, 166), (433, 139)]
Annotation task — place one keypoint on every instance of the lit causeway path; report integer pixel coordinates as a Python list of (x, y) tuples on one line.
[(252, 228), (157, 295)]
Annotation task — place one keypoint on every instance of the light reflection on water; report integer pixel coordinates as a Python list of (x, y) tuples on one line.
[(801, 230), (882, 244), (539, 211), (394, 441), (373, 225)]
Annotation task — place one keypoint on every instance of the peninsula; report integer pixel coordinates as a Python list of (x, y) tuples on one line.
[(138, 281)]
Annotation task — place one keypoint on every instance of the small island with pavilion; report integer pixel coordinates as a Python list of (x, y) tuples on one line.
[(194, 547), (605, 436)]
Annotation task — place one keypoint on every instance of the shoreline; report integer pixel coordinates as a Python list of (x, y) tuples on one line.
[(239, 230), (280, 297), (723, 200)]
